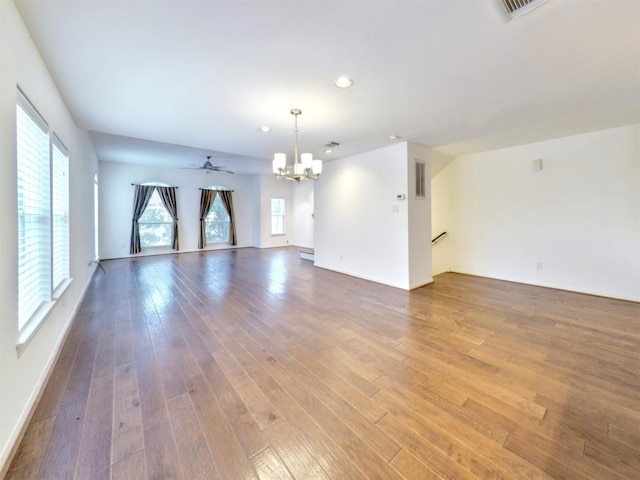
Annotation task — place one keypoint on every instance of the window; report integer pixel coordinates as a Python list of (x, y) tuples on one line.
[(96, 223), (60, 211), (277, 216), (42, 185), (216, 222), (420, 180), (155, 224)]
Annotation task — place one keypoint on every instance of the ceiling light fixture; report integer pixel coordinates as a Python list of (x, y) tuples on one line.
[(303, 168), (265, 129), (343, 82)]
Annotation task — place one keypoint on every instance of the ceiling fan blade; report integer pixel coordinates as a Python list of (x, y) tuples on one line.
[(217, 168), (221, 169)]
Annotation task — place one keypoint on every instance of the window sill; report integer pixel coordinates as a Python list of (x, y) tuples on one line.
[(278, 234), (58, 292), (32, 326)]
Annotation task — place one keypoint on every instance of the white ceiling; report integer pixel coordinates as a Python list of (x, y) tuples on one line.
[(169, 82)]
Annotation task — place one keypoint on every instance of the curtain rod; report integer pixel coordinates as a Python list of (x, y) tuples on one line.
[(133, 184), (216, 189)]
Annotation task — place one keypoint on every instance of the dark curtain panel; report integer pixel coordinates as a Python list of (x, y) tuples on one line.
[(168, 197), (141, 197), (227, 201), (206, 200)]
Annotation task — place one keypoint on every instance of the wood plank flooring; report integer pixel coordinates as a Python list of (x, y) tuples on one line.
[(253, 364)]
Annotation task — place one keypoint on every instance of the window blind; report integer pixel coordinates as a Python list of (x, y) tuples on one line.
[(34, 223), (60, 212)]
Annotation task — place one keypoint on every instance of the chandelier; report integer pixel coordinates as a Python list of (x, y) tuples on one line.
[(303, 168)]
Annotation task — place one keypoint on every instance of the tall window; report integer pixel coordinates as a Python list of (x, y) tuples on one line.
[(155, 224), (277, 216), (217, 222), (96, 223), (60, 211), (43, 214)]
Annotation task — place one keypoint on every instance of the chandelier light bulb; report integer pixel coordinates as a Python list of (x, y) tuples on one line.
[(279, 162), (316, 167), (306, 159)]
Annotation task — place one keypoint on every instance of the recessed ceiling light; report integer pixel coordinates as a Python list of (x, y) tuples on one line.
[(328, 150), (394, 137), (343, 82), (265, 129)]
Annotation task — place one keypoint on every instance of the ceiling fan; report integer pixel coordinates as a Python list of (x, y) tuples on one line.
[(208, 167)]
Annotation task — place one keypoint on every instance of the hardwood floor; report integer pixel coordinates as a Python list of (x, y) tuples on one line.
[(245, 364)]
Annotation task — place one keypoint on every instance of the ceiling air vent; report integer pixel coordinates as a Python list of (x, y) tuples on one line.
[(513, 8), (331, 144)]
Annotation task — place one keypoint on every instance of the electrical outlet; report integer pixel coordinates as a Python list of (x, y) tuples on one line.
[(539, 265)]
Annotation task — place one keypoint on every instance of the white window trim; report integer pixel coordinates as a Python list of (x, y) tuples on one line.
[(28, 329), (34, 323)]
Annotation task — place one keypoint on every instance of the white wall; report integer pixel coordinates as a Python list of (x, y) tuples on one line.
[(302, 213), (361, 229), (116, 204), (419, 235), (573, 225), (22, 377), (444, 205)]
